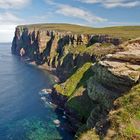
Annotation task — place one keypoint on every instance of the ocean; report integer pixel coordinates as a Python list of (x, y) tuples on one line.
[(23, 115)]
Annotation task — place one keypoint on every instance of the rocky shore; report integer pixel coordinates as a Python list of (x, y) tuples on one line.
[(56, 100)]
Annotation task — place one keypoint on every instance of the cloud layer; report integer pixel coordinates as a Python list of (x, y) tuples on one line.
[(75, 12), (8, 18), (8, 22), (114, 3), (13, 4), (79, 13)]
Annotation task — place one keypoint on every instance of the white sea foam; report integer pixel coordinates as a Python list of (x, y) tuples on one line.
[(57, 122), (64, 117), (43, 98), (45, 92)]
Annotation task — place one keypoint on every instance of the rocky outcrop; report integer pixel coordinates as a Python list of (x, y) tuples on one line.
[(113, 77), (52, 47), (118, 71), (40, 39), (26, 42)]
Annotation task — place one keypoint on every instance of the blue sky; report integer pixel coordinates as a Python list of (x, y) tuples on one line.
[(95, 13)]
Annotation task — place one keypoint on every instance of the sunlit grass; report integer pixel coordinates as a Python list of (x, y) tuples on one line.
[(125, 32)]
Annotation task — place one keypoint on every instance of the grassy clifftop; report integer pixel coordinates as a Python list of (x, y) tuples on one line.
[(125, 32)]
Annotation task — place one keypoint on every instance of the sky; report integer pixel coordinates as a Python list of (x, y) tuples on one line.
[(94, 13)]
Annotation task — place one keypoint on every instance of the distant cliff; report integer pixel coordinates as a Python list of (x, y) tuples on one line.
[(52, 47), (99, 73)]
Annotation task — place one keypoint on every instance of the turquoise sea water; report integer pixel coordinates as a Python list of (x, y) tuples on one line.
[(23, 116)]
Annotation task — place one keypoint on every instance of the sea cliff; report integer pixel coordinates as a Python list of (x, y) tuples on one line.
[(99, 76)]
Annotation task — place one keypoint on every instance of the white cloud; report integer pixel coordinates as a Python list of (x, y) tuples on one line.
[(75, 12), (114, 3), (50, 2), (8, 22), (8, 18), (14, 4), (7, 33), (79, 13)]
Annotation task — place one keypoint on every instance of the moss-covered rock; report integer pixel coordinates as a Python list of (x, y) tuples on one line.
[(75, 89), (72, 83), (81, 103)]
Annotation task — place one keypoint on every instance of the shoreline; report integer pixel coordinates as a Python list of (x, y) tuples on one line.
[(45, 67), (57, 99)]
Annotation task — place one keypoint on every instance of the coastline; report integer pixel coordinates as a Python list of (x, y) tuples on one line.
[(45, 67), (57, 99)]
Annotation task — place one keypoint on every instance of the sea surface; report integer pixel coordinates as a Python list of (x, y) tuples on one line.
[(23, 115)]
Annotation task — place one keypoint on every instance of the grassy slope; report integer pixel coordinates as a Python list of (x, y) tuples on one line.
[(68, 88), (94, 50), (126, 32), (75, 89), (125, 120)]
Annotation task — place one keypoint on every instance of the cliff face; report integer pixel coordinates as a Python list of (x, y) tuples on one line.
[(97, 73), (58, 50), (114, 77)]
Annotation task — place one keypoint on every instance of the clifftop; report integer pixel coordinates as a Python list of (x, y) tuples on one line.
[(125, 32)]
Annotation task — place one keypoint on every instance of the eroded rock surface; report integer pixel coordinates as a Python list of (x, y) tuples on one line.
[(113, 77)]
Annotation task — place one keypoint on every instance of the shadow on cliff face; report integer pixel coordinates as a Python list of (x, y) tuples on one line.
[(65, 128), (60, 48), (41, 58), (54, 51), (71, 63), (68, 63), (47, 50)]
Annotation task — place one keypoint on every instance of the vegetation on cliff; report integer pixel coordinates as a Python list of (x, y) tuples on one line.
[(75, 81), (125, 120), (75, 88)]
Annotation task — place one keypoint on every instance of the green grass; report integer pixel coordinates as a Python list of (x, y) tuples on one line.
[(81, 103), (126, 119), (79, 100), (75, 89), (94, 50), (125, 32), (71, 83), (97, 50), (89, 135)]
